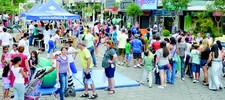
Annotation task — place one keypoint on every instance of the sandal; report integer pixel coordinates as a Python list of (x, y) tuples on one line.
[(111, 92), (84, 95), (93, 96), (206, 84)]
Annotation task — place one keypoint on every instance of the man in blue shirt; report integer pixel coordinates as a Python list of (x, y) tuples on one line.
[(136, 45), (134, 30)]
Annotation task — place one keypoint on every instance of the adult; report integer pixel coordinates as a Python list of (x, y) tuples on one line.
[(24, 63), (31, 31), (89, 39), (51, 43), (108, 63), (209, 39), (204, 56), (25, 43), (47, 33), (162, 63), (1, 27), (122, 38), (136, 45), (156, 45), (5, 38), (18, 86), (62, 72), (198, 38), (81, 29), (188, 52), (181, 49), (85, 57), (215, 82), (114, 35)]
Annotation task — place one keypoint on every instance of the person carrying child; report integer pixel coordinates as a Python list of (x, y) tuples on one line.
[(148, 66)]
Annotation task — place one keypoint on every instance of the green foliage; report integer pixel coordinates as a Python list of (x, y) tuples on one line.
[(96, 7), (203, 23), (175, 4), (133, 10), (166, 33), (28, 6), (81, 5), (8, 7)]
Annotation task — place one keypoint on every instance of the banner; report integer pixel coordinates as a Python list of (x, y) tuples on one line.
[(147, 4)]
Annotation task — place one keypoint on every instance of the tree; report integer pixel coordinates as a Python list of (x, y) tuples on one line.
[(28, 6), (9, 7), (96, 7), (133, 10), (219, 7), (175, 5)]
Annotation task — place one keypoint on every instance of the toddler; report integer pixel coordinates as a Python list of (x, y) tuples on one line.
[(128, 51), (6, 81), (195, 59)]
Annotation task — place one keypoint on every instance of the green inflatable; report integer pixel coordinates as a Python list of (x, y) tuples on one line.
[(48, 80), (187, 22)]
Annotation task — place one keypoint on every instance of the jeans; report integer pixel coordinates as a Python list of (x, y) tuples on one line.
[(189, 65), (32, 71), (31, 40), (19, 90), (51, 45), (63, 80), (171, 78), (92, 51), (182, 67)]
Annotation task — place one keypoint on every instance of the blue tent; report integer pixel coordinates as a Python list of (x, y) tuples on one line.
[(51, 11), (36, 7)]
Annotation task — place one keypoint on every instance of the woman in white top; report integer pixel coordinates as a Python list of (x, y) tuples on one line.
[(51, 42), (47, 33), (18, 86)]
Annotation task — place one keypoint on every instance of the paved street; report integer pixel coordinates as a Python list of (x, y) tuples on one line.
[(182, 90)]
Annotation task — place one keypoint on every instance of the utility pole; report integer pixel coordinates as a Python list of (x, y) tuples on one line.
[(93, 20)]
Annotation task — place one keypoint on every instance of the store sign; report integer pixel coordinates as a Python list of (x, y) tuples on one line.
[(147, 4)]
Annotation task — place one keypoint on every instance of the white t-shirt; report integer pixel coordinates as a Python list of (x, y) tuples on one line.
[(96, 30), (25, 43), (54, 37), (188, 48), (18, 76), (5, 38), (46, 36), (70, 56), (13, 52), (210, 40), (122, 38), (31, 28)]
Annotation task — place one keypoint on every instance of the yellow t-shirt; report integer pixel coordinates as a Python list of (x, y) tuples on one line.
[(84, 55)]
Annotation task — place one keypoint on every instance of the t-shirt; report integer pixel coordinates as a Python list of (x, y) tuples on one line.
[(70, 56), (23, 57), (18, 76), (63, 64), (136, 46), (54, 37), (13, 52), (108, 56), (35, 31), (162, 60), (195, 55), (84, 55), (81, 29), (134, 30), (182, 48), (127, 48), (25, 43), (188, 48), (89, 40), (31, 27), (148, 65), (5, 38), (122, 38), (156, 45)]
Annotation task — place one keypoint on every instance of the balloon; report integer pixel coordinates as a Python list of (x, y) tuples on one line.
[(49, 79)]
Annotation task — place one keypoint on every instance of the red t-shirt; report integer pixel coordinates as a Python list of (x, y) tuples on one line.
[(156, 45), (23, 57)]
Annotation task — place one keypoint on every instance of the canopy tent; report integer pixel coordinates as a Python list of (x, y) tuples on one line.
[(36, 7), (51, 11)]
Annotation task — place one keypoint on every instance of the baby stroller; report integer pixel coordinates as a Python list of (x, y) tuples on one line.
[(34, 82)]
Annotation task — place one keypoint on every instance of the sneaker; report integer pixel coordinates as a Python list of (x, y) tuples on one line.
[(164, 85), (197, 81), (182, 79), (138, 65), (160, 87), (135, 66), (194, 81)]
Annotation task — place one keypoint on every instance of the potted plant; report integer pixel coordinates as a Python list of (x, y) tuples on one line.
[(166, 33)]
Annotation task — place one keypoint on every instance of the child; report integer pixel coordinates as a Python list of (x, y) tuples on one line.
[(71, 59), (14, 50), (33, 61), (6, 81), (5, 55), (128, 51), (195, 59), (148, 66), (18, 86)]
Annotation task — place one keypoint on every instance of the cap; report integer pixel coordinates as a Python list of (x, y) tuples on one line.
[(208, 34), (82, 43), (57, 53)]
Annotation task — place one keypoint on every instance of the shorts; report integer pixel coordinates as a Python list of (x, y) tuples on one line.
[(203, 62), (109, 72), (195, 68), (128, 57), (136, 55), (121, 52), (85, 80), (6, 86), (164, 67)]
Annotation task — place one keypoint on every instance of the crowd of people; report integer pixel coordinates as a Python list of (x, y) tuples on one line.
[(161, 59)]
